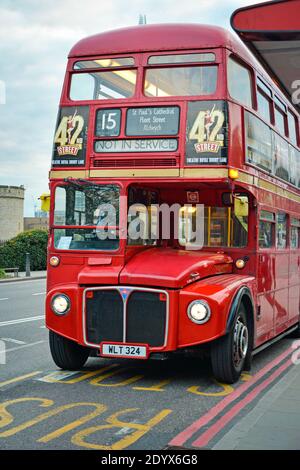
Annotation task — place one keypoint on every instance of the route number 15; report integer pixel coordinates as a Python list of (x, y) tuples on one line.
[(108, 122)]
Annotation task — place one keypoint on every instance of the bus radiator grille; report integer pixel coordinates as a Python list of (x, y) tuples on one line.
[(143, 312)]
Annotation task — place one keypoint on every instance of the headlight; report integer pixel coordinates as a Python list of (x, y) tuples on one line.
[(54, 261), (198, 311), (60, 304)]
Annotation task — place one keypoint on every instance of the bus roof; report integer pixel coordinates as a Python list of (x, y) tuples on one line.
[(158, 37)]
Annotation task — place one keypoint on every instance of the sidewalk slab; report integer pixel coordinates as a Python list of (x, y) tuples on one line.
[(35, 275), (273, 424)]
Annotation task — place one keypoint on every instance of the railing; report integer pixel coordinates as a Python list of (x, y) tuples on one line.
[(14, 271)]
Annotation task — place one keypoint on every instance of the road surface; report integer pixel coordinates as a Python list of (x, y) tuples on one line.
[(114, 404)]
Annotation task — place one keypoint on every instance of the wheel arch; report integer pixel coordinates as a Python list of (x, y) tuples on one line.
[(243, 296)]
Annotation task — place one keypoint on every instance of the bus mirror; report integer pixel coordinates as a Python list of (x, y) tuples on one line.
[(227, 199), (45, 202), (241, 206)]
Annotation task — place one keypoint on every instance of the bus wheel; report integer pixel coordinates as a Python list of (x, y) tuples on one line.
[(228, 354), (66, 353), (296, 333)]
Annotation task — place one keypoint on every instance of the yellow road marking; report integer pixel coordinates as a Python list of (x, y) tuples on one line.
[(226, 390), (245, 376), (141, 429), (20, 378), (155, 388), (78, 422), (129, 381), (81, 378), (6, 418)]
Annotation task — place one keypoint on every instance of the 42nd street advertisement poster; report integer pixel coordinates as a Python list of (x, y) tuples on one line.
[(206, 138), (70, 139)]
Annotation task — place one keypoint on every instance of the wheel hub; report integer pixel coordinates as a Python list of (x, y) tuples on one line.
[(240, 341)]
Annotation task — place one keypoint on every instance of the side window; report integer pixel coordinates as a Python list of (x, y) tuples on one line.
[(280, 116), (266, 229), (239, 82), (259, 142), (264, 100), (264, 106), (292, 128), (280, 120), (281, 230), (295, 233)]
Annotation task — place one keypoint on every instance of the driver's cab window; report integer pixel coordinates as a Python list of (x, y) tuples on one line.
[(86, 216)]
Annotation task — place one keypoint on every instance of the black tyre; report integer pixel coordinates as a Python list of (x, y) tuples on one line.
[(296, 333), (229, 353), (66, 353)]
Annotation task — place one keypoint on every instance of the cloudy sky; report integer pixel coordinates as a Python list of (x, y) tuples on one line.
[(35, 38)]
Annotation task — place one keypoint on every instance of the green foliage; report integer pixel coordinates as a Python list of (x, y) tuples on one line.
[(34, 242), (2, 274)]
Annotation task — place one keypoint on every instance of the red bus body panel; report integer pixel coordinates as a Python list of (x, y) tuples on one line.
[(270, 275)]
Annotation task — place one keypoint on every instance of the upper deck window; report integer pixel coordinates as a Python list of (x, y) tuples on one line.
[(280, 115), (264, 87), (239, 82), (264, 106), (104, 63), (181, 58), (280, 119), (115, 84), (292, 128), (181, 81), (264, 100)]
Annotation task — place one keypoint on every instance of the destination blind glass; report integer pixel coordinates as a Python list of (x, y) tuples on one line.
[(136, 145), (152, 121)]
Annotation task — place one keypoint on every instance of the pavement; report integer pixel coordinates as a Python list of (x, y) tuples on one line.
[(274, 423), (22, 276)]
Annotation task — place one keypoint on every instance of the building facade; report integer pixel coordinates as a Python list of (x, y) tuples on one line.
[(11, 211), (36, 223)]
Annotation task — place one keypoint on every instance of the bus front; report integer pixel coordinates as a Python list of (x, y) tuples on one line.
[(147, 226)]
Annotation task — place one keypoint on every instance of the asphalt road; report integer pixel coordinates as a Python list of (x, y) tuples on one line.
[(114, 404)]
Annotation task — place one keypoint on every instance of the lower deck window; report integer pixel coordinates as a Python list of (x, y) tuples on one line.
[(295, 233), (281, 230), (266, 229)]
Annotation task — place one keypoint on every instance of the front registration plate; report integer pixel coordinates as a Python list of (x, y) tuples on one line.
[(138, 351)]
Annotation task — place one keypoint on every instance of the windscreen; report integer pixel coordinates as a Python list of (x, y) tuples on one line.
[(86, 217)]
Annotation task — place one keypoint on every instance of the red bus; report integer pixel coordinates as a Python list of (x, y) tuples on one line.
[(164, 115)]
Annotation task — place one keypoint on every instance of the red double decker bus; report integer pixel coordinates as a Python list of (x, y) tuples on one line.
[(158, 116)]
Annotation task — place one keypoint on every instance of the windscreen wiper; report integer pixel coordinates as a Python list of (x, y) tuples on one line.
[(78, 182)]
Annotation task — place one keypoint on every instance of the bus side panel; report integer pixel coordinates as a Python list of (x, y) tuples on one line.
[(281, 300), (266, 286), (294, 287), (235, 135)]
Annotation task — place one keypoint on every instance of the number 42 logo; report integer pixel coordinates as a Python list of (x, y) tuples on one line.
[(69, 130), (207, 126)]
